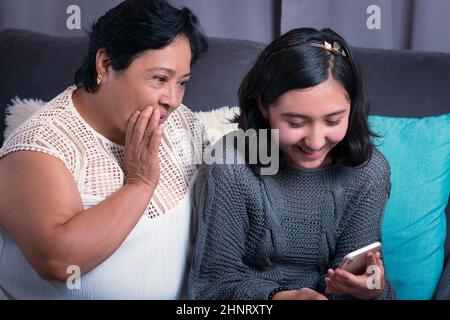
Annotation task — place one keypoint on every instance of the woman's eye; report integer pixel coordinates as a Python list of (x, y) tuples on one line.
[(160, 79), (333, 123), (184, 83), (296, 124)]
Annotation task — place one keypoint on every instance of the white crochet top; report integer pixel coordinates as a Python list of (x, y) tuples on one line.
[(96, 163), (152, 261)]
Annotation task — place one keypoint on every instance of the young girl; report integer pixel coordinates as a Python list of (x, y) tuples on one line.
[(283, 236)]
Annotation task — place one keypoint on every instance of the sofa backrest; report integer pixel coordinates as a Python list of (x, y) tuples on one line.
[(400, 83)]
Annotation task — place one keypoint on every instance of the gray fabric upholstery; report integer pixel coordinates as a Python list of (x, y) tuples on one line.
[(39, 66), (400, 83)]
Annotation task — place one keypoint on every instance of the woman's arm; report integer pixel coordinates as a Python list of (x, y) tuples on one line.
[(219, 269), (41, 208)]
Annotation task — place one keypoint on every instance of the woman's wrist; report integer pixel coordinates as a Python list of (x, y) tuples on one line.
[(141, 189), (141, 186)]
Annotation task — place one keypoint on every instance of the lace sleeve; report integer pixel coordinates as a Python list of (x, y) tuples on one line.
[(47, 139)]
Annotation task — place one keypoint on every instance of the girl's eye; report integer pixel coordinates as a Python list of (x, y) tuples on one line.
[(333, 123), (296, 124)]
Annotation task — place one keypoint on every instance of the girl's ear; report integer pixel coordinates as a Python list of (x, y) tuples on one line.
[(262, 109)]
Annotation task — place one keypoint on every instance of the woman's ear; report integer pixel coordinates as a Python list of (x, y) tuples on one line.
[(264, 111), (102, 63)]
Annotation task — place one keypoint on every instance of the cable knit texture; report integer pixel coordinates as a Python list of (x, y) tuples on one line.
[(258, 233)]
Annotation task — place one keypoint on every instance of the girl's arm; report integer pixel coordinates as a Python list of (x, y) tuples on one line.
[(219, 269), (362, 226)]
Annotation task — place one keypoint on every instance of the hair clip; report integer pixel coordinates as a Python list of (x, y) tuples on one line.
[(336, 47)]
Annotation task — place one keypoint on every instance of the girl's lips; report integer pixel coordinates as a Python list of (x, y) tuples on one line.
[(314, 155), (162, 119)]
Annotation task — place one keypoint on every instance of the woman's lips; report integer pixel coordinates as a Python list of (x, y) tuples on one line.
[(162, 119)]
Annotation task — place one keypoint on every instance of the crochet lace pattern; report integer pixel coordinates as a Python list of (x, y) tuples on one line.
[(97, 164)]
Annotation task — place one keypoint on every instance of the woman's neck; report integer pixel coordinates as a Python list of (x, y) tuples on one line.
[(93, 109)]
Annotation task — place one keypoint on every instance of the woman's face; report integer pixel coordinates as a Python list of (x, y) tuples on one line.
[(156, 78), (311, 122)]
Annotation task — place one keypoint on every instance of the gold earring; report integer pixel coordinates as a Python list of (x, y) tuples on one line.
[(99, 79)]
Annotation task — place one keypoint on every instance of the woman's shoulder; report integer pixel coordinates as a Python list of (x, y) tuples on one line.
[(41, 114), (42, 131)]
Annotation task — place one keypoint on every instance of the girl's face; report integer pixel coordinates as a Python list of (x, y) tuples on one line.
[(311, 122)]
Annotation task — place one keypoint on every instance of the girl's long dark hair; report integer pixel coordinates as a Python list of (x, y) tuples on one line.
[(293, 62)]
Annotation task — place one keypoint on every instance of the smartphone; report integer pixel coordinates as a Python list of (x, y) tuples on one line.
[(355, 261)]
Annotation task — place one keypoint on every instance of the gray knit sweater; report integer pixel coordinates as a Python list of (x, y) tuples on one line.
[(258, 233)]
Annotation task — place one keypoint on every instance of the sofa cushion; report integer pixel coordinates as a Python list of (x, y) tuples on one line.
[(414, 225)]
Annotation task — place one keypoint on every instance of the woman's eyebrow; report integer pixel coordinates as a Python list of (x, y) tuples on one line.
[(299, 115), (168, 70)]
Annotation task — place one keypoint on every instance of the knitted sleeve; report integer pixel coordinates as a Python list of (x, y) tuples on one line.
[(219, 270), (362, 222)]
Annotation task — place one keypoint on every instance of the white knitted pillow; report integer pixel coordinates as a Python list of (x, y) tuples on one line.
[(18, 111), (216, 122)]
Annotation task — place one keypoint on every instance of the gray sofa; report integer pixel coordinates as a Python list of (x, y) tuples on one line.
[(400, 83)]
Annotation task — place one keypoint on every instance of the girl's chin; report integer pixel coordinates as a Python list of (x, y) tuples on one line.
[(308, 165), (299, 160)]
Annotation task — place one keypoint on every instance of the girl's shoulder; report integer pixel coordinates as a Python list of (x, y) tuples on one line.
[(225, 162), (375, 171), (377, 166)]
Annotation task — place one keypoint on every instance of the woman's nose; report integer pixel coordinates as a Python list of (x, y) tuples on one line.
[(170, 98)]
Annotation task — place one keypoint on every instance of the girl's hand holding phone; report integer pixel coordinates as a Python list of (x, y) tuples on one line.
[(368, 285)]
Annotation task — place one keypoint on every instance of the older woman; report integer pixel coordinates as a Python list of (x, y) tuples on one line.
[(93, 185)]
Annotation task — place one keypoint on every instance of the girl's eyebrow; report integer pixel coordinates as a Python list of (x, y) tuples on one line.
[(298, 115)]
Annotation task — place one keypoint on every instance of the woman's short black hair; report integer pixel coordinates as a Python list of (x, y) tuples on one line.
[(135, 26), (293, 62)]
